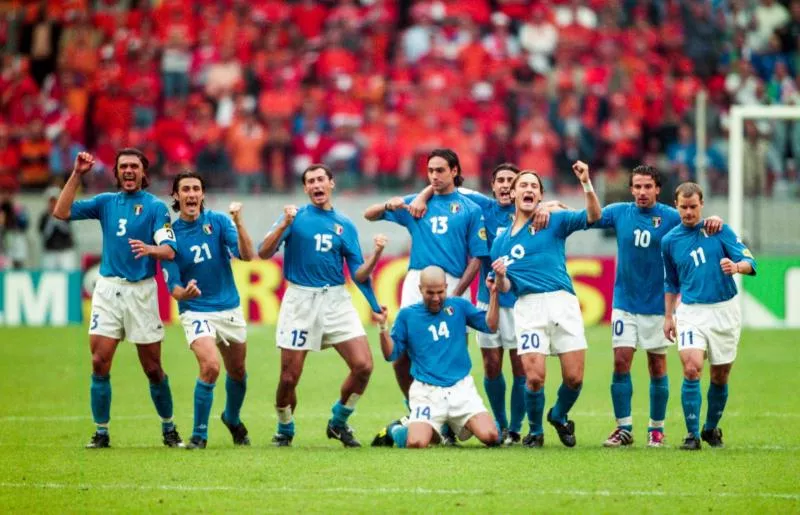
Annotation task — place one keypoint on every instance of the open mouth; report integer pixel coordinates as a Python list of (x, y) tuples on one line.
[(192, 203), (504, 194), (318, 195), (528, 197), (129, 177)]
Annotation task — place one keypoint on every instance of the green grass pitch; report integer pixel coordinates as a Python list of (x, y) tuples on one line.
[(45, 421)]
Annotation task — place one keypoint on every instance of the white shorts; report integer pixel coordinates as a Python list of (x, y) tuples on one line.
[(411, 294), (505, 337), (644, 332), (124, 310), (315, 318), (224, 326), (714, 328), (439, 405), (549, 323)]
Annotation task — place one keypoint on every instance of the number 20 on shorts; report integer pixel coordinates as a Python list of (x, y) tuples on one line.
[(530, 341)]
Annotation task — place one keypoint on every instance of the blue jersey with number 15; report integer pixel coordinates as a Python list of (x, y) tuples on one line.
[(638, 285), (205, 249), (123, 216)]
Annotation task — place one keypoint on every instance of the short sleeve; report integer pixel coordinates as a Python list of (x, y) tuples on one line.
[(479, 198), (162, 226), (399, 336), (477, 235), (89, 209), (671, 282), (401, 216), (608, 218), (172, 274), (476, 318), (735, 249), (570, 221)]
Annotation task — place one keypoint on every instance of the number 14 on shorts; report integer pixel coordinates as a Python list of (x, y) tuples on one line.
[(422, 412)]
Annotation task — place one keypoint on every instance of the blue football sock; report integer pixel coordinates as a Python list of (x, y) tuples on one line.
[(340, 414), (621, 393), (534, 406), (717, 397), (400, 436), (100, 394), (692, 400), (566, 399), (162, 398), (517, 404), (496, 392), (235, 392), (203, 398), (659, 395), (286, 429)]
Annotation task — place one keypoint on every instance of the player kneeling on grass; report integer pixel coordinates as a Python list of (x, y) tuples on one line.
[(316, 311), (201, 280), (700, 267), (434, 334)]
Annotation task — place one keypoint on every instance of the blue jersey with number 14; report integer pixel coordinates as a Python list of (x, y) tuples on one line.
[(638, 285), (497, 219), (317, 244), (123, 216), (447, 236), (691, 263), (437, 342), (205, 249)]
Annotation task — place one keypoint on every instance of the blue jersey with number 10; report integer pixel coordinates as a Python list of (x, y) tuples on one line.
[(447, 236), (317, 244), (205, 249), (497, 219), (437, 342), (123, 216), (691, 263), (536, 261), (639, 281)]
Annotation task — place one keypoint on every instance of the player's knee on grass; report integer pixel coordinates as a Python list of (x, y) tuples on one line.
[(657, 364), (720, 374), (623, 357), (484, 429)]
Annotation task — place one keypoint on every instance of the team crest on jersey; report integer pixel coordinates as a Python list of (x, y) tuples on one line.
[(656, 221), (338, 229), (207, 228), (482, 233), (449, 310), (137, 209), (531, 229), (455, 207)]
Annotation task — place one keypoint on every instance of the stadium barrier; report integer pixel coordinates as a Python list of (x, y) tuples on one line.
[(38, 298)]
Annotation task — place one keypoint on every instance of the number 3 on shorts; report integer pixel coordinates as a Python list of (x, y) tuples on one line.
[(529, 341)]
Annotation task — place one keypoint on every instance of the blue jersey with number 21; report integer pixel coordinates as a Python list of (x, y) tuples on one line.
[(437, 342), (205, 249), (123, 216)]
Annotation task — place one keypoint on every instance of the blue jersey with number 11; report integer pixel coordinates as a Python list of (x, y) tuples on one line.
[(205, 249), (638, 285), (123, 216)]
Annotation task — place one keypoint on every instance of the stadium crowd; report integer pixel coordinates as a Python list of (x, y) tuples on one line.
[(248, 93)]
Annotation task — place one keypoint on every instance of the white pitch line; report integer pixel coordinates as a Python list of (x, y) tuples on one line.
[(391, 491)]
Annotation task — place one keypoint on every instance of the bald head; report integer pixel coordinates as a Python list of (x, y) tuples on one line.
[(433, 286)]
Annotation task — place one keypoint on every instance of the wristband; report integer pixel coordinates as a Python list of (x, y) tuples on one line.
[(587, 187), (382, 328)]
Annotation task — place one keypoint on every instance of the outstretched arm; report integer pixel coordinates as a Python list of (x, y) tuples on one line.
[(472, 269), (84, 162), (273, 240), (365, 270), (593, 209), (493, 314), (375, 212), (246, 250)]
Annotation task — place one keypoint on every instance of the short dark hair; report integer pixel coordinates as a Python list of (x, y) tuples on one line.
[(511, 167), (647, 170), (687, 189), (452, 161), (130, 151), (176, 184), (317, 166), (528, 172)]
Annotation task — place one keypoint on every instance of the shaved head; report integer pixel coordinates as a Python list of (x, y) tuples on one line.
[(433, 286)]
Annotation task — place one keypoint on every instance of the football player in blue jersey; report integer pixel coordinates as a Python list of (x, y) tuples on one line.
[(433, 333), (136, 232), (316, 311), (201, 280), (451, 235), (637, 319), (699, 267), (547, 315)]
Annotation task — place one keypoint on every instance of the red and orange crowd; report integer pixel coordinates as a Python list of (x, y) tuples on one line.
[(248, 92)]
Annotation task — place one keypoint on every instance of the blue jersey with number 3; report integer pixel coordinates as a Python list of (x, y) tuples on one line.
[(317, 244), (123, 216), (205, 249), (638, 285), (691, 263), (536, 261), (436, 343), (447, 236), (497, 219)]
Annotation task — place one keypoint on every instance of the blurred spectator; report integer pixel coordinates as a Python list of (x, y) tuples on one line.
[(40, 40), (34, 157), (13, 224), (754, 160), (63, 154), (9, 161), (214, 164), (539, 38), (768, 16), (246, 140), (58, 246)]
